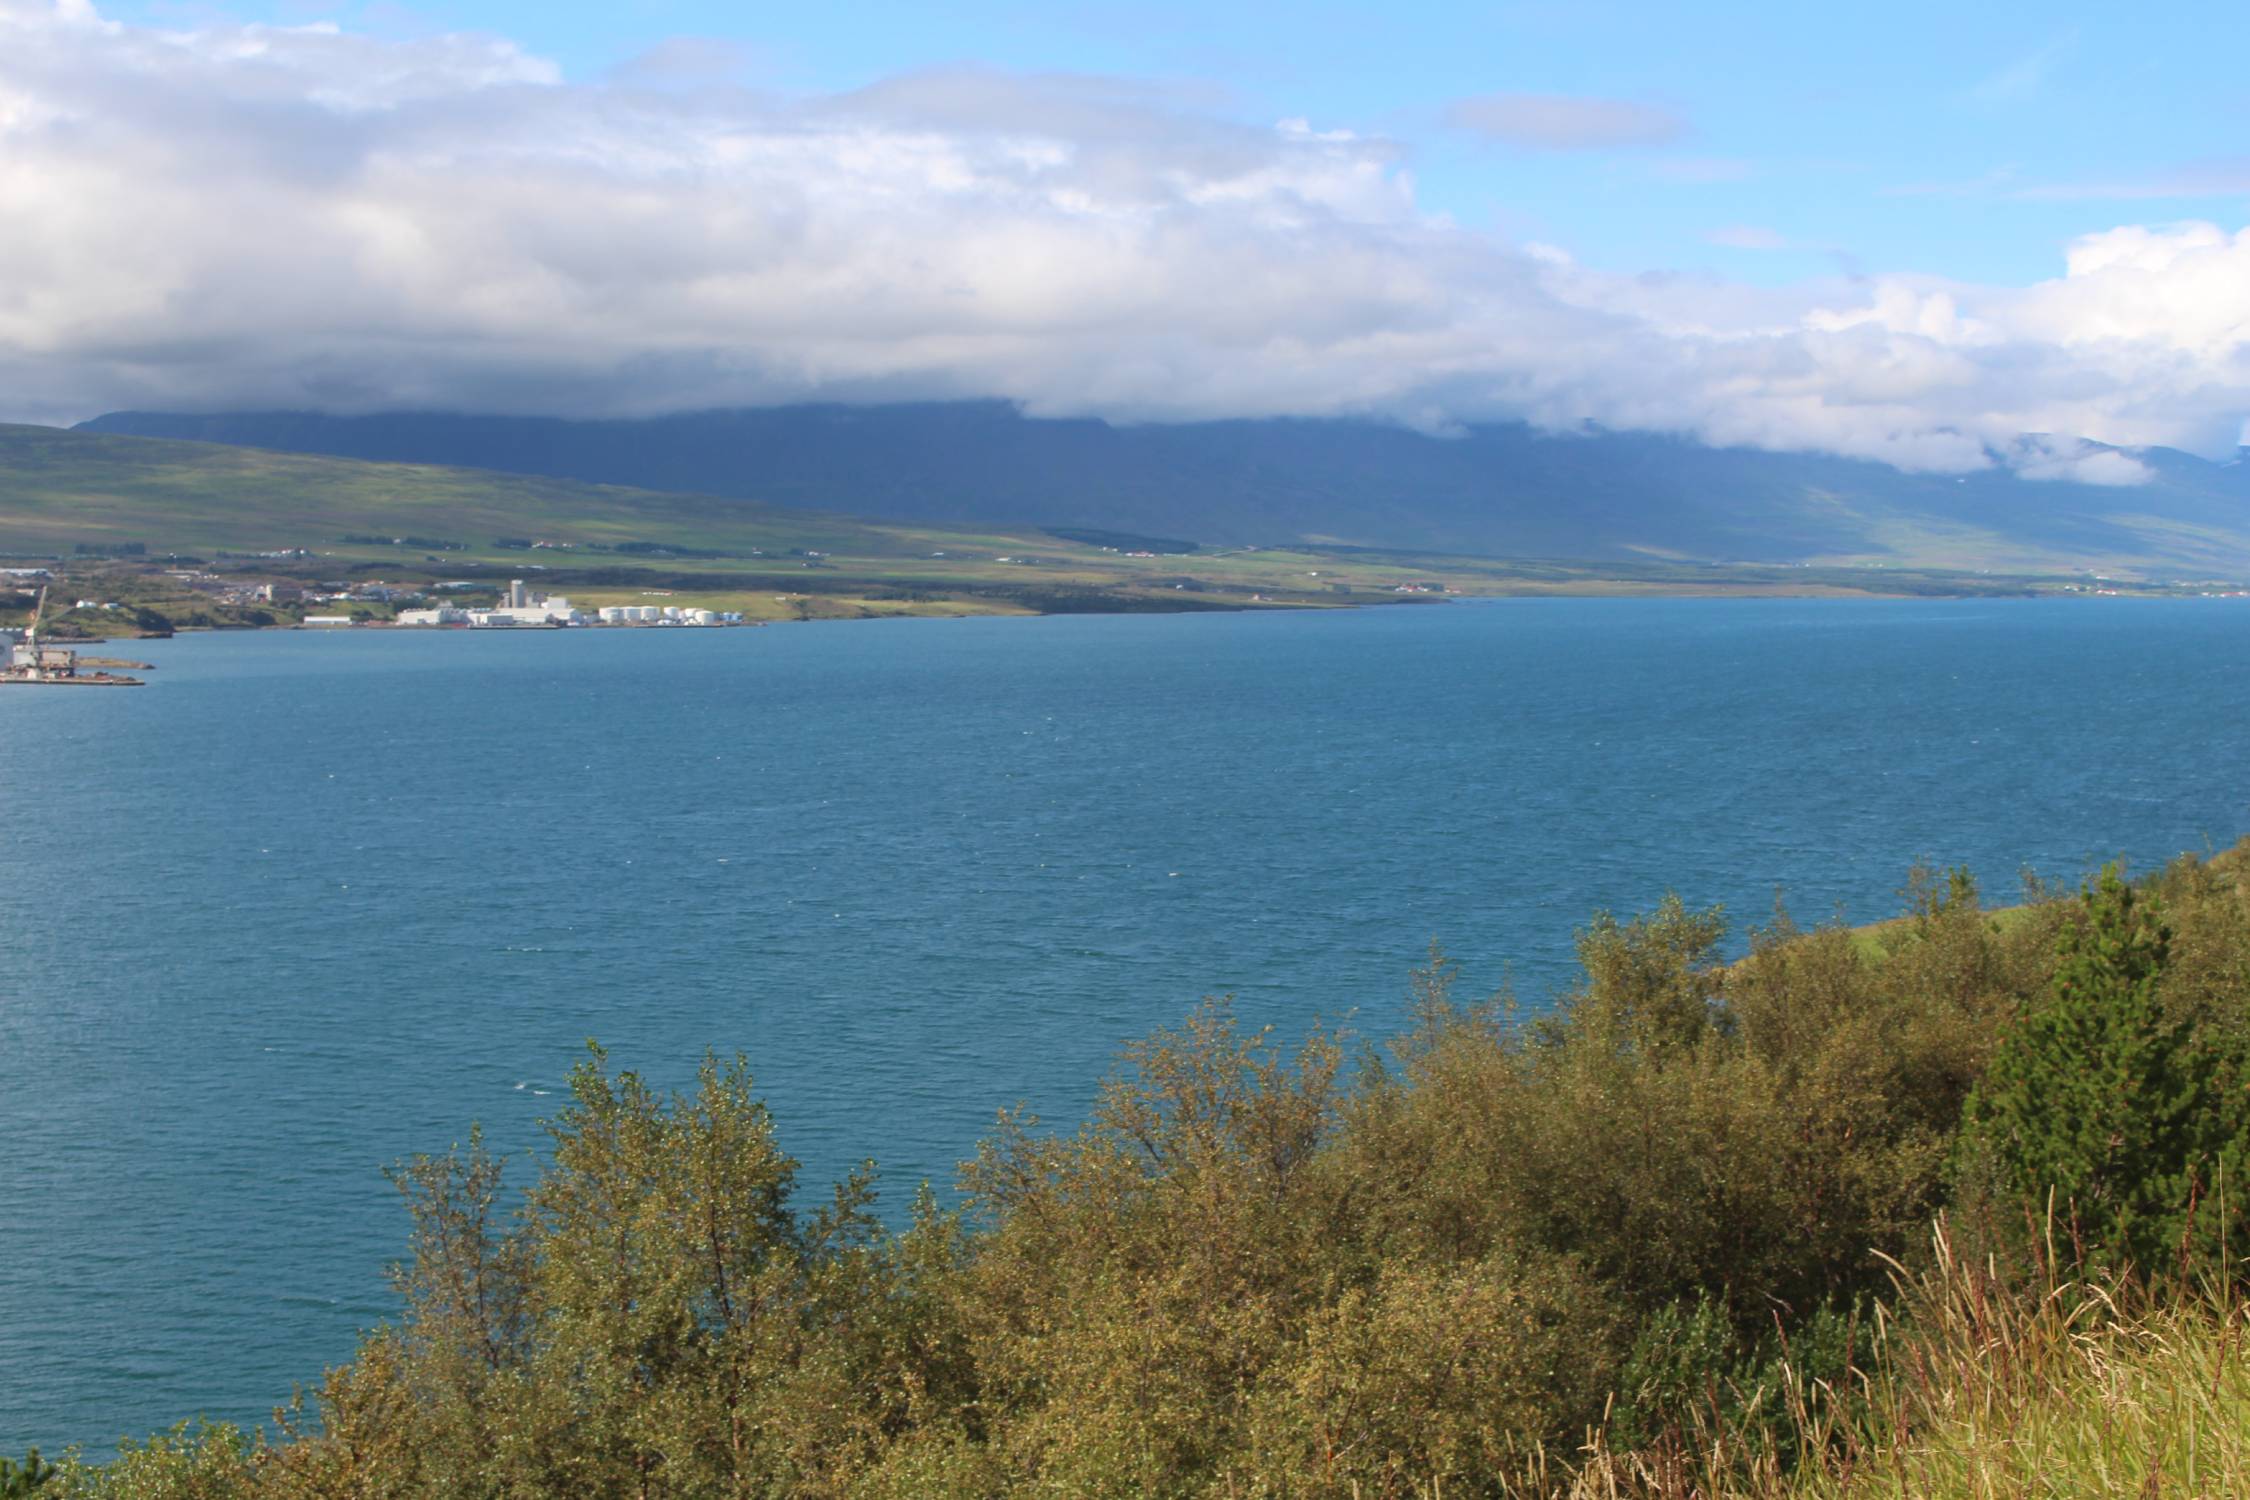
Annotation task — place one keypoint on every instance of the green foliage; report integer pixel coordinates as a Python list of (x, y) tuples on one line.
[(1683, 1127), (1434, 1376), (193, 1461), (1975, 1384), (2106, 1103), (21, 1481), (1692, 1373), (1137, 1282), (1670, 1239)]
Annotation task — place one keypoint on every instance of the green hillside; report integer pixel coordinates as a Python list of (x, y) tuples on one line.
[(1494, 490), (113, 509), (60, 489), (169, 530)]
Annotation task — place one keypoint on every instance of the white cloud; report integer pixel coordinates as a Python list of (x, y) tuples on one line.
[(1565, 122), (2041, 457), (258, 216)]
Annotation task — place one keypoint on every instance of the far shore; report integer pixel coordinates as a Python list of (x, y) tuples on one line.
[(1610, 589)]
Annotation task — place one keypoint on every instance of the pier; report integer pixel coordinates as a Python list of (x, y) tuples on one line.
[(26, 662)]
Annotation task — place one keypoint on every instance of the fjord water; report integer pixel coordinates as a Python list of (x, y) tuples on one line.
[(309, 903)]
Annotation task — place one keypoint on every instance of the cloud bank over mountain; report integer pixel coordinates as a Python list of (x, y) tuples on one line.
[(249, 216)]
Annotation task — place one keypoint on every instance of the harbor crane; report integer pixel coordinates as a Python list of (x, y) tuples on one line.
[(30, 664)]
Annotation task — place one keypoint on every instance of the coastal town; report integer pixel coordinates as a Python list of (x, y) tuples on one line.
[(31, 657), (95, 599)]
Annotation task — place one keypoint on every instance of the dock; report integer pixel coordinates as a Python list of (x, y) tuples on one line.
[(26, 661), (12, 678)]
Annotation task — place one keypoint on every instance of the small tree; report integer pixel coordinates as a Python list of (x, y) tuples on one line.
[(21, 1481), (2102, 1100)]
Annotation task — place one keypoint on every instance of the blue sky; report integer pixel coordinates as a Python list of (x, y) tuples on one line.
[(1965, 141)]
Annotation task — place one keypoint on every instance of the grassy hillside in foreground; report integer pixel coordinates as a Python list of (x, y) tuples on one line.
[(1675, 1240), (79, 495)]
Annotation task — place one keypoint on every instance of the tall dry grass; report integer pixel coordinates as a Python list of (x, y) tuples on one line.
[(1975, 1386)]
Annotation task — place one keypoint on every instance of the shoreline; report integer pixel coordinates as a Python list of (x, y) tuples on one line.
[(1213, 597), (1716, 593)]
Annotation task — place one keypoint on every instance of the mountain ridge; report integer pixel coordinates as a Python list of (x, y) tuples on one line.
[(1495, 490)]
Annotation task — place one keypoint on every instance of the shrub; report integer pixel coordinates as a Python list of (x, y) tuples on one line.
[(21, 1481), (191, 1462), (1434, 1377), (2107, 1104)]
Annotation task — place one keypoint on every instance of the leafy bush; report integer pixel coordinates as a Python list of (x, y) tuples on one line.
[(2110, 1105), (1433, 1376), (21, 1481), (191, 1462)]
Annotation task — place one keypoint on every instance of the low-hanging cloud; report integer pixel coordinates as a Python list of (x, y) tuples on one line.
[(247, 216)]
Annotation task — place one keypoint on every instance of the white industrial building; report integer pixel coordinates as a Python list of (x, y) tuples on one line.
[(554, 611), (520, 606), (668, 614)]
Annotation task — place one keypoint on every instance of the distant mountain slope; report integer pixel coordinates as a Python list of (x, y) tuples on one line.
[(60, 489), (127, 510), (1503, 490)]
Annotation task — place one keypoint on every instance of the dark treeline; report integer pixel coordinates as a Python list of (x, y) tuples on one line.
[(1483, 1260)]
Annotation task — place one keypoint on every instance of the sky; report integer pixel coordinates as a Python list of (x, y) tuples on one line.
[(1914, 232)]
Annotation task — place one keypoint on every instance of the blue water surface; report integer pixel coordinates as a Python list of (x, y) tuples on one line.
[(309, 903)]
